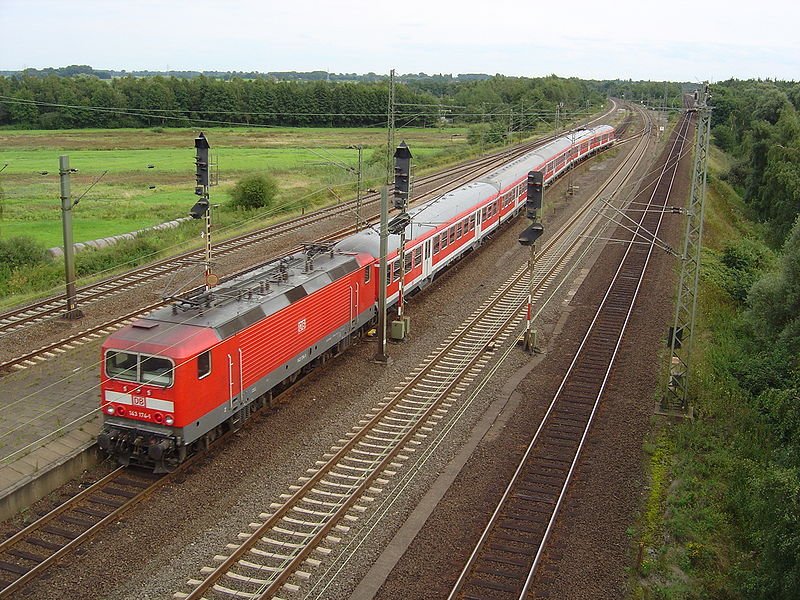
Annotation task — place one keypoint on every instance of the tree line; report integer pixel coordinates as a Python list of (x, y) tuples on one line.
[(52, 101)]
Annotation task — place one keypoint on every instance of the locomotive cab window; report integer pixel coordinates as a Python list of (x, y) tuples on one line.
[(204, 364), (122, 365), (156, 370), (141, 368)]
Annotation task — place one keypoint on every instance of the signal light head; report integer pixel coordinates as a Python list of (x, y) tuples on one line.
[(199, 209)]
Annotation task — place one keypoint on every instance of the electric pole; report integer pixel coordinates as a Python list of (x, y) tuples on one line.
[(381, 356), (676, 397), (69, 250)]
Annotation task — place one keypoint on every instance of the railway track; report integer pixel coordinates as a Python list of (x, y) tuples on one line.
[(285, 544), (504, 561), (27, 554)]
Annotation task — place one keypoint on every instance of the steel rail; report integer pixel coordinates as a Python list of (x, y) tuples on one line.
[(8, 549)]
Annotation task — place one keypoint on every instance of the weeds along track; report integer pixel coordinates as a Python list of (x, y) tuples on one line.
[(294, 536), (503, 563)]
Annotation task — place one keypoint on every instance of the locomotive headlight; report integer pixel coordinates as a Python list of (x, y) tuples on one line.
[(110, 409), (169, 420)]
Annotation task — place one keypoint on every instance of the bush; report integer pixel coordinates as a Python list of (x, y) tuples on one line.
[(485, 133), (255, 191), (25, 266), (19, 252)]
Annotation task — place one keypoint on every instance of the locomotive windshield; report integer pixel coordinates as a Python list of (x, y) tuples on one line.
[(140, 368), (122, 365)]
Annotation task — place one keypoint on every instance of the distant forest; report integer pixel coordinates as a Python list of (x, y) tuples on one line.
[(73, 70), (79, 96)]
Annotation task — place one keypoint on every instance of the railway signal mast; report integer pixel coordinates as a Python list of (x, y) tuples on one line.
[(202, 208), (676, 396), (533, 207), (397, 226)]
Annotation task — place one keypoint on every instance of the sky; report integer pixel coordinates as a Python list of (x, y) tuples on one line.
[(701, 40)]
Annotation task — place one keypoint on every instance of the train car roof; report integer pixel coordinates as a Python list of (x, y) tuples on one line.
[(151, 336), (516, 169), (429, 215), (424, 218)]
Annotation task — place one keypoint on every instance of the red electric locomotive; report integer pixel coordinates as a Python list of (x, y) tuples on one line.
[(174, 380)]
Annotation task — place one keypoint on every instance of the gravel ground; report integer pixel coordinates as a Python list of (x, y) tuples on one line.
[(154, 549)]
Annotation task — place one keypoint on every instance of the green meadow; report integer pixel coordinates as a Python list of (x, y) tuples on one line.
[(146, 176)]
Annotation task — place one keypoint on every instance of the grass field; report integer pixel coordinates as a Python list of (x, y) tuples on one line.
[(131, 196)]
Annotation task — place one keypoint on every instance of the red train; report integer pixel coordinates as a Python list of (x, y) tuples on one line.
[(176, 379)]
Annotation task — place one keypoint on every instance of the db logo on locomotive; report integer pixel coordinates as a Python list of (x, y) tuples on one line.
[(138, 400)]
